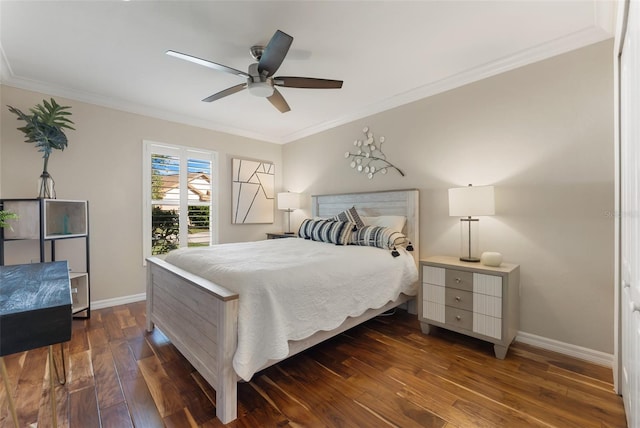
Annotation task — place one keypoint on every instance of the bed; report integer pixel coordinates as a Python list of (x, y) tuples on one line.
[(200, 317)]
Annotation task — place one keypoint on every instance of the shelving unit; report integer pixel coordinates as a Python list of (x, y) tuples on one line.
[(49, 221)]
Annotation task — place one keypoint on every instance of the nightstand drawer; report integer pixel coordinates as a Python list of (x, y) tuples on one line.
[(459, 279), (434, 293), (459, 299), (458, 317), (433, 275), (487, 326), (433, 311)]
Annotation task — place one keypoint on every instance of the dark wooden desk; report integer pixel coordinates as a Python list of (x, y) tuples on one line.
[(35, 311)]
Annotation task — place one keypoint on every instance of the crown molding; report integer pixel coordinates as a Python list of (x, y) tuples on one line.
[(583, 38), (117, 104), (602, 29)]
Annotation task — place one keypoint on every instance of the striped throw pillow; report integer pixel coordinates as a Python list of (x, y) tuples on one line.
[(378, 236), (352, 216), (330, 231)]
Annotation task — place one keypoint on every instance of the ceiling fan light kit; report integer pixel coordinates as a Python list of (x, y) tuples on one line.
[(261, 89), (260, 80)]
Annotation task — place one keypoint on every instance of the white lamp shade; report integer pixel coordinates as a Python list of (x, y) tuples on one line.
[(288, 201), (471, 201)]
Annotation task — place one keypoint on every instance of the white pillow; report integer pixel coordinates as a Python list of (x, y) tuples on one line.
[(393, 222)]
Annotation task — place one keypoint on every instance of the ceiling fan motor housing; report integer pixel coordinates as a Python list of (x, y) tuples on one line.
[(259, 85)]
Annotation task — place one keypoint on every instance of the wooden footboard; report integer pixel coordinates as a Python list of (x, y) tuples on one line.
[(201, 320)]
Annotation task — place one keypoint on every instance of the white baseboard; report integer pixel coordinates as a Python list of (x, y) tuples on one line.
[(107, 303), (596, 357)]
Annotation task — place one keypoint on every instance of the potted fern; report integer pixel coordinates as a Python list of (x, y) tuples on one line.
[(45, 127)]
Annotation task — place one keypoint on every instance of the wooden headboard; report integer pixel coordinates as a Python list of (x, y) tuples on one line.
[(388, 202)]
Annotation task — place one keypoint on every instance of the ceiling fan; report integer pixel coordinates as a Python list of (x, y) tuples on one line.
[(260, 80)]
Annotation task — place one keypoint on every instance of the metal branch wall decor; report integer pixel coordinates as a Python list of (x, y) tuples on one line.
[(369, 158)]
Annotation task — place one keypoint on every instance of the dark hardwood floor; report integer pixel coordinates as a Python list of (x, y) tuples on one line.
[(382, 373)]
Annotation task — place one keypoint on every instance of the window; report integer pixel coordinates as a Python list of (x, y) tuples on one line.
[(180, 200)]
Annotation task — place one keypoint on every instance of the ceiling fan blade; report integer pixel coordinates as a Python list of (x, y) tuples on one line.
[(274, 53), (207, 63), (229, 91), (278, 101), (307, 82)]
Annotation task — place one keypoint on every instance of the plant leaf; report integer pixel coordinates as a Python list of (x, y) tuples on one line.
[(44, 126)]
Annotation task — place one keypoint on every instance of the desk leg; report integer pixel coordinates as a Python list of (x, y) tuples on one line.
[(12, 406), (52, 391)]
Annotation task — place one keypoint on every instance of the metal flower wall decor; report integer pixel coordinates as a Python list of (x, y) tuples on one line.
[(369, 159)]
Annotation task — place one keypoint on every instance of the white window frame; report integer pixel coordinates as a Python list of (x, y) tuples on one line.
[(183, 153)]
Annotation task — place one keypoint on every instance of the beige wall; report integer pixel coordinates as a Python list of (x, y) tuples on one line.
[(543, 135), (103, 165)]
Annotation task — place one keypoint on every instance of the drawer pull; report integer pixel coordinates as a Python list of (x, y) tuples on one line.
[(458, 280), (458, 298), (458, 317)]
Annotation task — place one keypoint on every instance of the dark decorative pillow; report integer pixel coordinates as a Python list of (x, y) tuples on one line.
[(331, 231), (378, 236), (352, 216), (306, 227)]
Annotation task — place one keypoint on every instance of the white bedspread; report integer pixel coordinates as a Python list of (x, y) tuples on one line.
[(292, 288)]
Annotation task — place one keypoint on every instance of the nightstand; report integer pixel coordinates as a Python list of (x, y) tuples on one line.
[(279, 235), (472, 299)]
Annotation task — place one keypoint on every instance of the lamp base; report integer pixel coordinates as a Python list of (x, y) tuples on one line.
[(469, 240)]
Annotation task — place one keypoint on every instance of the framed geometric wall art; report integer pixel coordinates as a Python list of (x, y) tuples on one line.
[(252, 191)]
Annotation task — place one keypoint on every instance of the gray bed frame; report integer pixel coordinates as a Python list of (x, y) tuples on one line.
[(201, 317)]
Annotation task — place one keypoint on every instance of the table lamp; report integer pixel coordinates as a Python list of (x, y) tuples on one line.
[(468, 202), (288, 201)]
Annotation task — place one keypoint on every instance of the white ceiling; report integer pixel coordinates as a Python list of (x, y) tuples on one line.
[(388, 53)]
